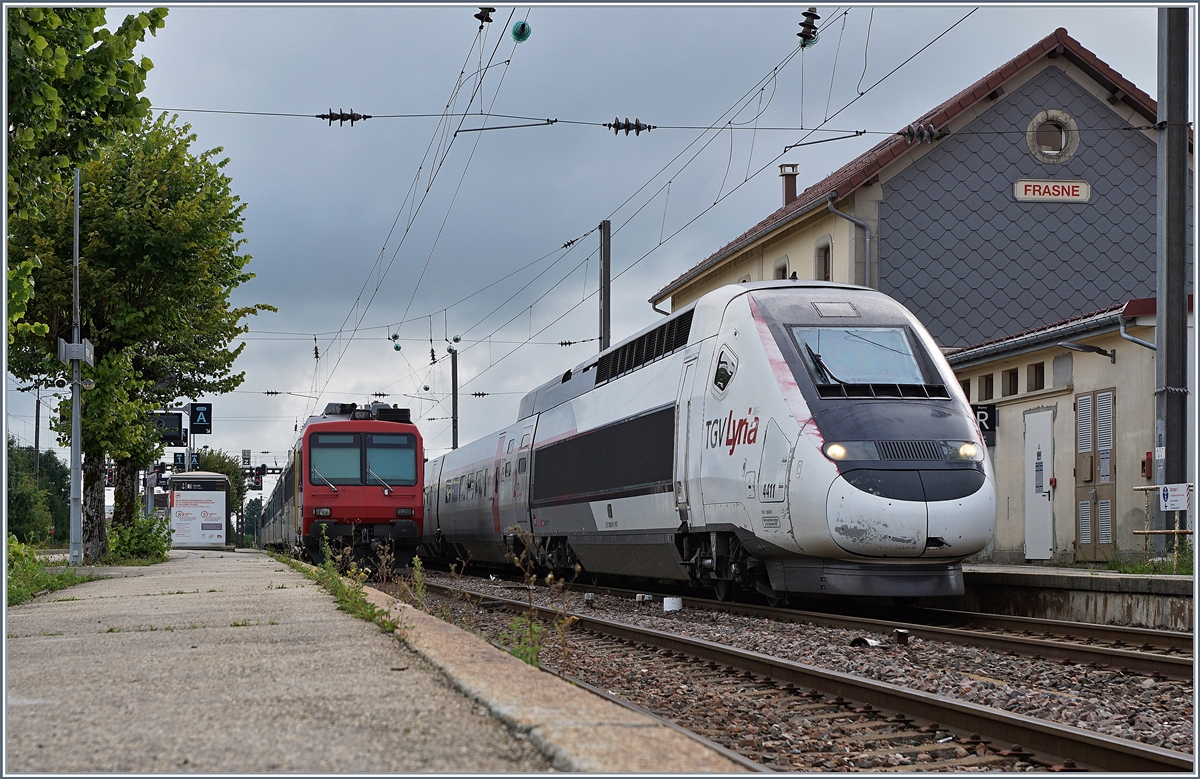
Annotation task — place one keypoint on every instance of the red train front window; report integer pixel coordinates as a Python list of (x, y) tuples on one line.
[(391, 459), (335, 459)]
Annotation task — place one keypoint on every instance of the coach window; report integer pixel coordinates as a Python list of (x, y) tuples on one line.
[(300, 467), (335, 458), (391, 459), (726, 367), (525, 441), (521, 466), (508, 469), (511, 443)]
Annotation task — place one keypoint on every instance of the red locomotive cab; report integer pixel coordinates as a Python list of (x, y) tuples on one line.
[(361, 476)]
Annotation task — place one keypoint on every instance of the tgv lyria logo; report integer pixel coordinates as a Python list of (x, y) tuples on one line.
[(730, 432)]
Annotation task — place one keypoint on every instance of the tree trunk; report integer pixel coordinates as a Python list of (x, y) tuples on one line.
[(125, 498), (95, 532)]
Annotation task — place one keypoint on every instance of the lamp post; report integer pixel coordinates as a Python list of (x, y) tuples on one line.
[(454, 391), (1078, 347)]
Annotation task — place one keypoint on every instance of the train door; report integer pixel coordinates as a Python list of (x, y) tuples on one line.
[(497, 470), (514, 464), (433, 492), (1039, 470), (683, 438)]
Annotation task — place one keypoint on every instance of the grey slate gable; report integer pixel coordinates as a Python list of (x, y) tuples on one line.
[(974, 264)]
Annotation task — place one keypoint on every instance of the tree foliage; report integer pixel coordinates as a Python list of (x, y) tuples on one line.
[(220, 461), (72, 86), (28, 508), (160, 254)]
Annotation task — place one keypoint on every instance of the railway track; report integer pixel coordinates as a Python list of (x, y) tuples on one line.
[(1159, 654), (868, 724), (1156, 653)]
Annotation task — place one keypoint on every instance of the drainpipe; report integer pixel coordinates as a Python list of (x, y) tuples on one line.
[(1128, 337), (866, 244)]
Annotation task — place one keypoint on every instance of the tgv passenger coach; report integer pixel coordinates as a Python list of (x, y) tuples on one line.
[(788, 437)]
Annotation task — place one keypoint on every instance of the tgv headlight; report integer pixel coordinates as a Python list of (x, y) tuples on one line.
[(851, 450), (958, 451)]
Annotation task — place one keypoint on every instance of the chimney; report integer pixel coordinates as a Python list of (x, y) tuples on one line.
[(788, 174)]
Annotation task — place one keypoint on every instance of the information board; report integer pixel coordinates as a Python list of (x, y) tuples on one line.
[(197, 517), (1175, 497)]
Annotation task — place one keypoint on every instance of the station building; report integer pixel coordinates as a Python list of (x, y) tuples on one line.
[(1024, 205)]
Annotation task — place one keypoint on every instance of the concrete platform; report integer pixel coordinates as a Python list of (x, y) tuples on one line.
[(1080, 595), (232, 662)]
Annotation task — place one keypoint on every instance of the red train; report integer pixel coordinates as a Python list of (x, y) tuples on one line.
[(356, 475)]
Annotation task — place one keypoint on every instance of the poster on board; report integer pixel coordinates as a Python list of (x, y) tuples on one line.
[(197, 518)]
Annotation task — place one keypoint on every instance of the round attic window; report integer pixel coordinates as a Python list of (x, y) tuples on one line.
[(1053, 137)]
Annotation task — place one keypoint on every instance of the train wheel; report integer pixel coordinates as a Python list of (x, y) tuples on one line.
[(724, 590)]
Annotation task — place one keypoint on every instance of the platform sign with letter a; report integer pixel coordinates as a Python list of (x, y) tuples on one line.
[(1175, 497), (200, 418), (194, 461)]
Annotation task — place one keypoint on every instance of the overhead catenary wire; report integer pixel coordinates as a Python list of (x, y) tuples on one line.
[(734, 189)]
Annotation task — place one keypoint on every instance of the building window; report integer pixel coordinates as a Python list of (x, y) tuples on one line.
[(966, 388), (1052, 136), (822, 264), (744, 279), (781, 268), (986, 389), (1008, 383), (1035, 379)]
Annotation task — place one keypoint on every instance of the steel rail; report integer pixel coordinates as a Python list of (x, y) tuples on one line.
[(1108, 753), (1131, 659), (1131, 635)]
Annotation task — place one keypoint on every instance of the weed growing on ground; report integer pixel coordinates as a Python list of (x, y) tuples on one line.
[(241, 623), (525, 635), (1159, 565), (143, 542), (347, 590), (563, 620), (28, 575), (412, 588)]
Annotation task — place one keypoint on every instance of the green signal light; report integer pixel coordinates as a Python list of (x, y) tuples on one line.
[(521, 31)]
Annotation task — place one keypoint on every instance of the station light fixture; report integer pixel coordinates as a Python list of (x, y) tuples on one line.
[(1078, 347)]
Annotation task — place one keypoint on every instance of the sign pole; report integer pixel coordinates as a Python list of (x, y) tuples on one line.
[(76, 549)]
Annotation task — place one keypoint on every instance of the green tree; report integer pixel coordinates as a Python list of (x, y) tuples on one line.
[(72, 86), (28, 509), (160, 256), (220, 461), (251, 516)]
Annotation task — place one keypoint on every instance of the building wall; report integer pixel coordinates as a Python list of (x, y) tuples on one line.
[(974, 263), (798, 244), (1068, 374)]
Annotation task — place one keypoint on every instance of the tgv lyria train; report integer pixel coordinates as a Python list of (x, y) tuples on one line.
[(789, 437)]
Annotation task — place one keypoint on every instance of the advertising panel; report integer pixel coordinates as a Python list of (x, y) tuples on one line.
[(197, 517)]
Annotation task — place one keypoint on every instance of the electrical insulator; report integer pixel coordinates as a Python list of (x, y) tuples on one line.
[(479, 394), (916, 133), (396, 347), (636, 126), (485, 15), (341, 117), (808, 28), (521, 31)]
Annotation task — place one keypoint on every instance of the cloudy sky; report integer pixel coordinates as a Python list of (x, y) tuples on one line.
[(415, 223)]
